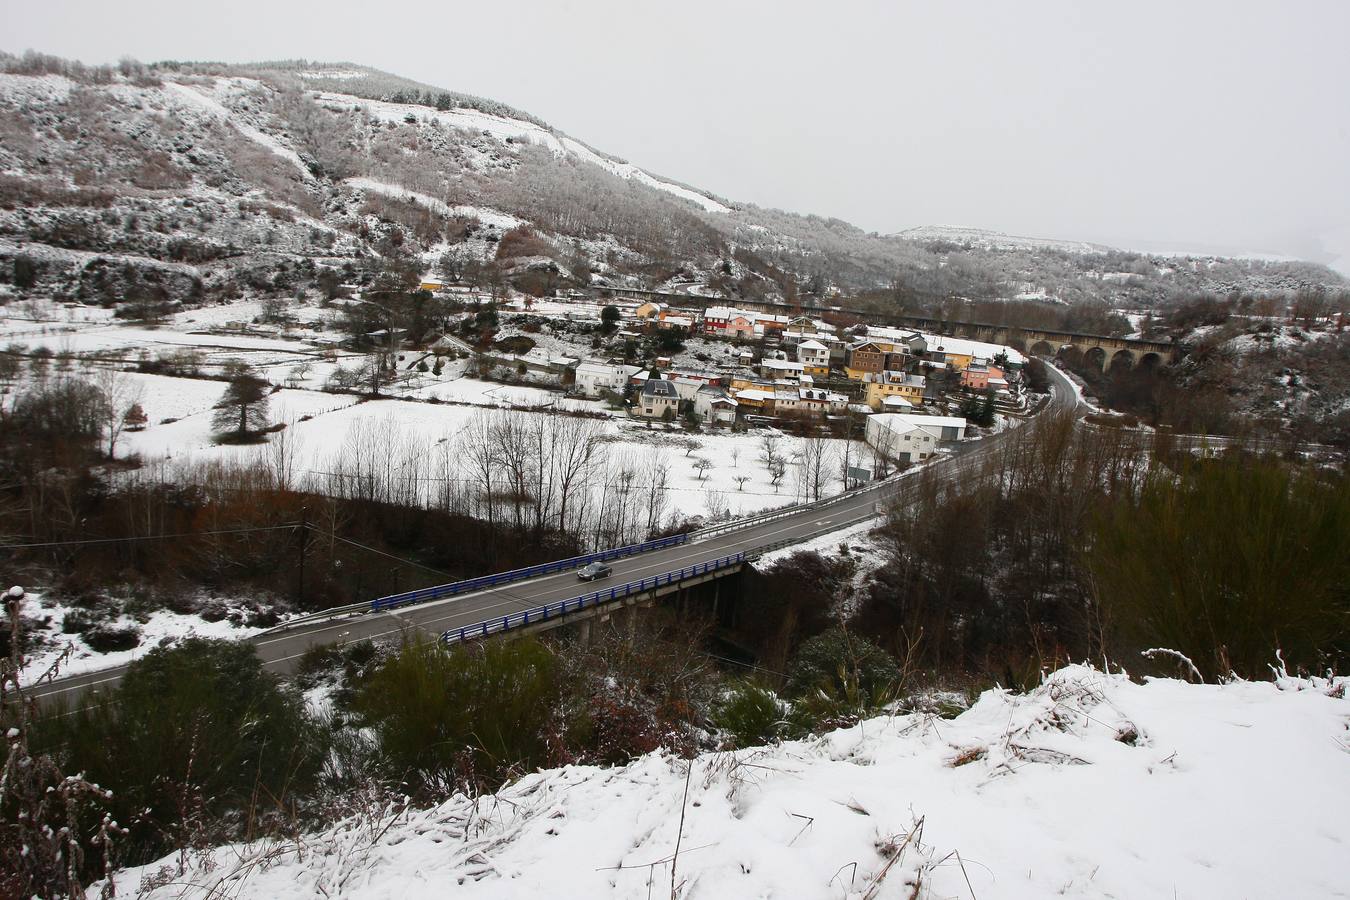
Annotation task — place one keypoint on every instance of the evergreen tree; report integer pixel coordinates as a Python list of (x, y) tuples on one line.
[(242, 410)]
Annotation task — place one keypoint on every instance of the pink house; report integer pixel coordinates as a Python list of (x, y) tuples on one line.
[(976, 375)]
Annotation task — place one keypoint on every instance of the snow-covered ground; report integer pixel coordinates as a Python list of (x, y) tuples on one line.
[(154, 629), (1090, 786), (826, 544), (319, 440)]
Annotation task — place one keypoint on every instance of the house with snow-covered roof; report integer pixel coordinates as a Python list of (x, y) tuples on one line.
[(714, 406), (880, 385), (896, 437), (814, 357)]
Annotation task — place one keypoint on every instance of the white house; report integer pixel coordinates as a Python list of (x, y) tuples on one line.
[(813, 355), (944, 428), (781, 369), (893, 437), (593, 378), (714, 407)]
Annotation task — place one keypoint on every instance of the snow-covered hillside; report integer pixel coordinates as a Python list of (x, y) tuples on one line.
[(239, 172), (504, 128), (1090, 786), (994, 240)]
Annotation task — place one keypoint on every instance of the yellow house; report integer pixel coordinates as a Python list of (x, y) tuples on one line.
[(955, 360), (893, 384), (747, 382), (432, 284), (648, 310)]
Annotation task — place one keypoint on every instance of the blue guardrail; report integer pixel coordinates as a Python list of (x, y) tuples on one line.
[(575, 604), (438, 592)]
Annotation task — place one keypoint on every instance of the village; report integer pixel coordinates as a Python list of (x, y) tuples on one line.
[(722, 367)]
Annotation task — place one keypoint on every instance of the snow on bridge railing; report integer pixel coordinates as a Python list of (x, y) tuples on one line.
[(438, 592), (594, 598)]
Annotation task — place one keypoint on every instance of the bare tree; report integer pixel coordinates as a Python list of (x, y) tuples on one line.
[(815, 454), (574, 450), (740, 481), (478, 450), (702, 465), (120, 395), (768, 449), (283, 457), (658, 487)]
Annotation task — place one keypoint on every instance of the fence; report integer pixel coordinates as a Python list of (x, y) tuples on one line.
[(576, 604), (408, 598)]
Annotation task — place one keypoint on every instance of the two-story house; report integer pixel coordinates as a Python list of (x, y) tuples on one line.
[(658, 400), (880, 385), (814, 357)]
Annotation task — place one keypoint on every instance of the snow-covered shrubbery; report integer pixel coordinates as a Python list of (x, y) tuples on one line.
[(1090, 785)]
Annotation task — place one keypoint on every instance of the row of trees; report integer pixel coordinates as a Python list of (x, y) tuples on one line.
[(1074, 544)]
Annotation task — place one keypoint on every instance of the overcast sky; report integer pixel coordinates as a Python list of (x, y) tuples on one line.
[(1158, 125)]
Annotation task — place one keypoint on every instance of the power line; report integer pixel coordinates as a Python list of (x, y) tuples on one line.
[(148, 537), (344, 540)]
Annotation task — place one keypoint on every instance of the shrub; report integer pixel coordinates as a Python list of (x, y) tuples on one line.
[(110, 638), (197, 741), (749, 715), (462, 717), (837, 662)]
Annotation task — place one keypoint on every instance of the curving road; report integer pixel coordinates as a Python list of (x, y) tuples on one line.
[(280, 650)]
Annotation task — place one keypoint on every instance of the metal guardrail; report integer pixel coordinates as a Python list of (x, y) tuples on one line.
[(407, 598), (322, 615), (785, 511), (576, 604)]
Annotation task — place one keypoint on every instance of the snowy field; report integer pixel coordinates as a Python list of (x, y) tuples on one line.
[(1090, 786), (321, 425), (338, 420)]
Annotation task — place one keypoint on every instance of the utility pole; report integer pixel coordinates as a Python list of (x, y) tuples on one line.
[(304, 546)]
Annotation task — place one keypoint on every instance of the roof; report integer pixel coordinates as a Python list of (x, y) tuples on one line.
[(659, 387), (898, 401), (899, 423), (926, 421), (755, 394), (715, 395), (812, 345), (600, 368)]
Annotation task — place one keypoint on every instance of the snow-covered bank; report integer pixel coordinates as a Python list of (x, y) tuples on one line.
[(1090, 786)]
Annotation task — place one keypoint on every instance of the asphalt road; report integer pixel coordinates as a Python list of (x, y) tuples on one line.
[(281, 650)]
